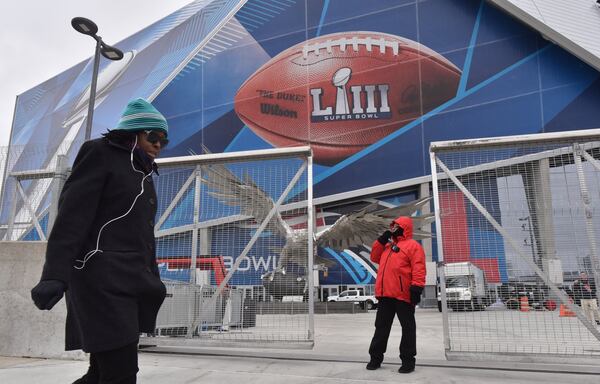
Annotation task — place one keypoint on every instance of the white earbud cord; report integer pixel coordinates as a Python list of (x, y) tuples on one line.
[(91, 253)]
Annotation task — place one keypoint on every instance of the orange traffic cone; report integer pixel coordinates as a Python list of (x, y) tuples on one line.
[(524, 304), (565, 311)]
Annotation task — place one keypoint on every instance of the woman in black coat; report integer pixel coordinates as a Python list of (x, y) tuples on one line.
[(101, 250)]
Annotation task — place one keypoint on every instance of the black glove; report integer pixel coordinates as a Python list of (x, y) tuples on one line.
[(385, 237), (47, 293), (415, 294)]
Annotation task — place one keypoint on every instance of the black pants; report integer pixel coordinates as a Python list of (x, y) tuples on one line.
[(386, 309), (117, 366)]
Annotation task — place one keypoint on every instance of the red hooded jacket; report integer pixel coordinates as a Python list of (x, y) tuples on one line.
[(399, 270)]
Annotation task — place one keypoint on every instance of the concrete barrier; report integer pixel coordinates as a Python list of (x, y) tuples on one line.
[(25, 330)]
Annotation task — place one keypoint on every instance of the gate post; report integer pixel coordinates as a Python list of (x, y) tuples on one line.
[(60, 176), (13, 211), (440, 248), (311, 249), (589, 219), (196, 220)]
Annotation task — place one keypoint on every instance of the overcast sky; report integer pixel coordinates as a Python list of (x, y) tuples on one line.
[(37, 41)]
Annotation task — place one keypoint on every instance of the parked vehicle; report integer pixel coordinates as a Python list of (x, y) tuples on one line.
[(465, 287), (356, 296), (537, 294)]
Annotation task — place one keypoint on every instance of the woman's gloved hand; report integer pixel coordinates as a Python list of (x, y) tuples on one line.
[(47, 293)]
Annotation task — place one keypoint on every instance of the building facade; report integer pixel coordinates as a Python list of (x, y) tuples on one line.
[(368, 84)]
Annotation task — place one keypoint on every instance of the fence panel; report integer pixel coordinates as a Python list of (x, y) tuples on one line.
[(234, 259), (32, 180), (518, 220)]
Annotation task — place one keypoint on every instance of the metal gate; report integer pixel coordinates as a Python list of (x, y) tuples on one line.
[(518, 223), (234, 250)]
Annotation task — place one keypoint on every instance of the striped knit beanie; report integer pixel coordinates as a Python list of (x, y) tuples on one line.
[(140, 115)]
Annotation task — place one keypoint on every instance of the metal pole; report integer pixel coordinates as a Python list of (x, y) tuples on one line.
[(7, 164), (309, 268), (440, 248), (194, 255), (13, 211), (531, 239), (589, 215), (90, 115), (60, 176)]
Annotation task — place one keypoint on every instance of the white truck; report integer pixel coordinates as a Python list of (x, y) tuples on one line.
[(355, 296), (465, 287)]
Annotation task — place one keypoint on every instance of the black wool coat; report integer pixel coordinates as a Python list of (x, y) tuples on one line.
[(117, 293)]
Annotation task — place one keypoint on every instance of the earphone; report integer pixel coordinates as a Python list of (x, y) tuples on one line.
[(91, 253)]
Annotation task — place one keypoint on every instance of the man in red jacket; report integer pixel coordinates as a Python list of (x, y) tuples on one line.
[(399, 284)]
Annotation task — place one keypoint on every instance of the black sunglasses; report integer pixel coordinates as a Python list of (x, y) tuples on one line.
[(155, 137)]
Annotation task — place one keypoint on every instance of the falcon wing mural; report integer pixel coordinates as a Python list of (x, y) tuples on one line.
[(252, 201), (350, 230), (365, 225)]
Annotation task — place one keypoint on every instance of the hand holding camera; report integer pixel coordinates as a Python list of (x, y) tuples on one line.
[(385, 237)]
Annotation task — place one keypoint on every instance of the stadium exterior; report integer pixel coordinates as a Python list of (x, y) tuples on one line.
[(192, 63)]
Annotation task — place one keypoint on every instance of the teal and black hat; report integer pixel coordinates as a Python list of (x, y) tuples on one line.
[(140, 115)]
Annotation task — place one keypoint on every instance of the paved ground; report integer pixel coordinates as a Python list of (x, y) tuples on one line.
[(339, 356)]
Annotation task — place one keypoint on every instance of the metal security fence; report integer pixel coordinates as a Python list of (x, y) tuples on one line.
[(30, 193), (518, 220), (231, 235), (236, 259)]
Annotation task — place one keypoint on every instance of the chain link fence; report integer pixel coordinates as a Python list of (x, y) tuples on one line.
[(518, 220), (234, 257), (32, 179)]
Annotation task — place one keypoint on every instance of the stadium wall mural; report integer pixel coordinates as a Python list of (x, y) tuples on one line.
[(368, 84)]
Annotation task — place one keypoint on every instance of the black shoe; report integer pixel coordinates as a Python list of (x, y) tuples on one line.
[(406, 369), (373, 365)]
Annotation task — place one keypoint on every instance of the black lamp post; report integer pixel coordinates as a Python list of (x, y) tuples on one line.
[(88, 27)]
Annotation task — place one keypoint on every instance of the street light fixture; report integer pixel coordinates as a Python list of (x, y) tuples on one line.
[(88, 27)]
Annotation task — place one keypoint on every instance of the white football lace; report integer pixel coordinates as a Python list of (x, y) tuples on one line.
[(354, 42)]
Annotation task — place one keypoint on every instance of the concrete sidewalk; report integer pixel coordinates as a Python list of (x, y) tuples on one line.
[(339, 356)]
